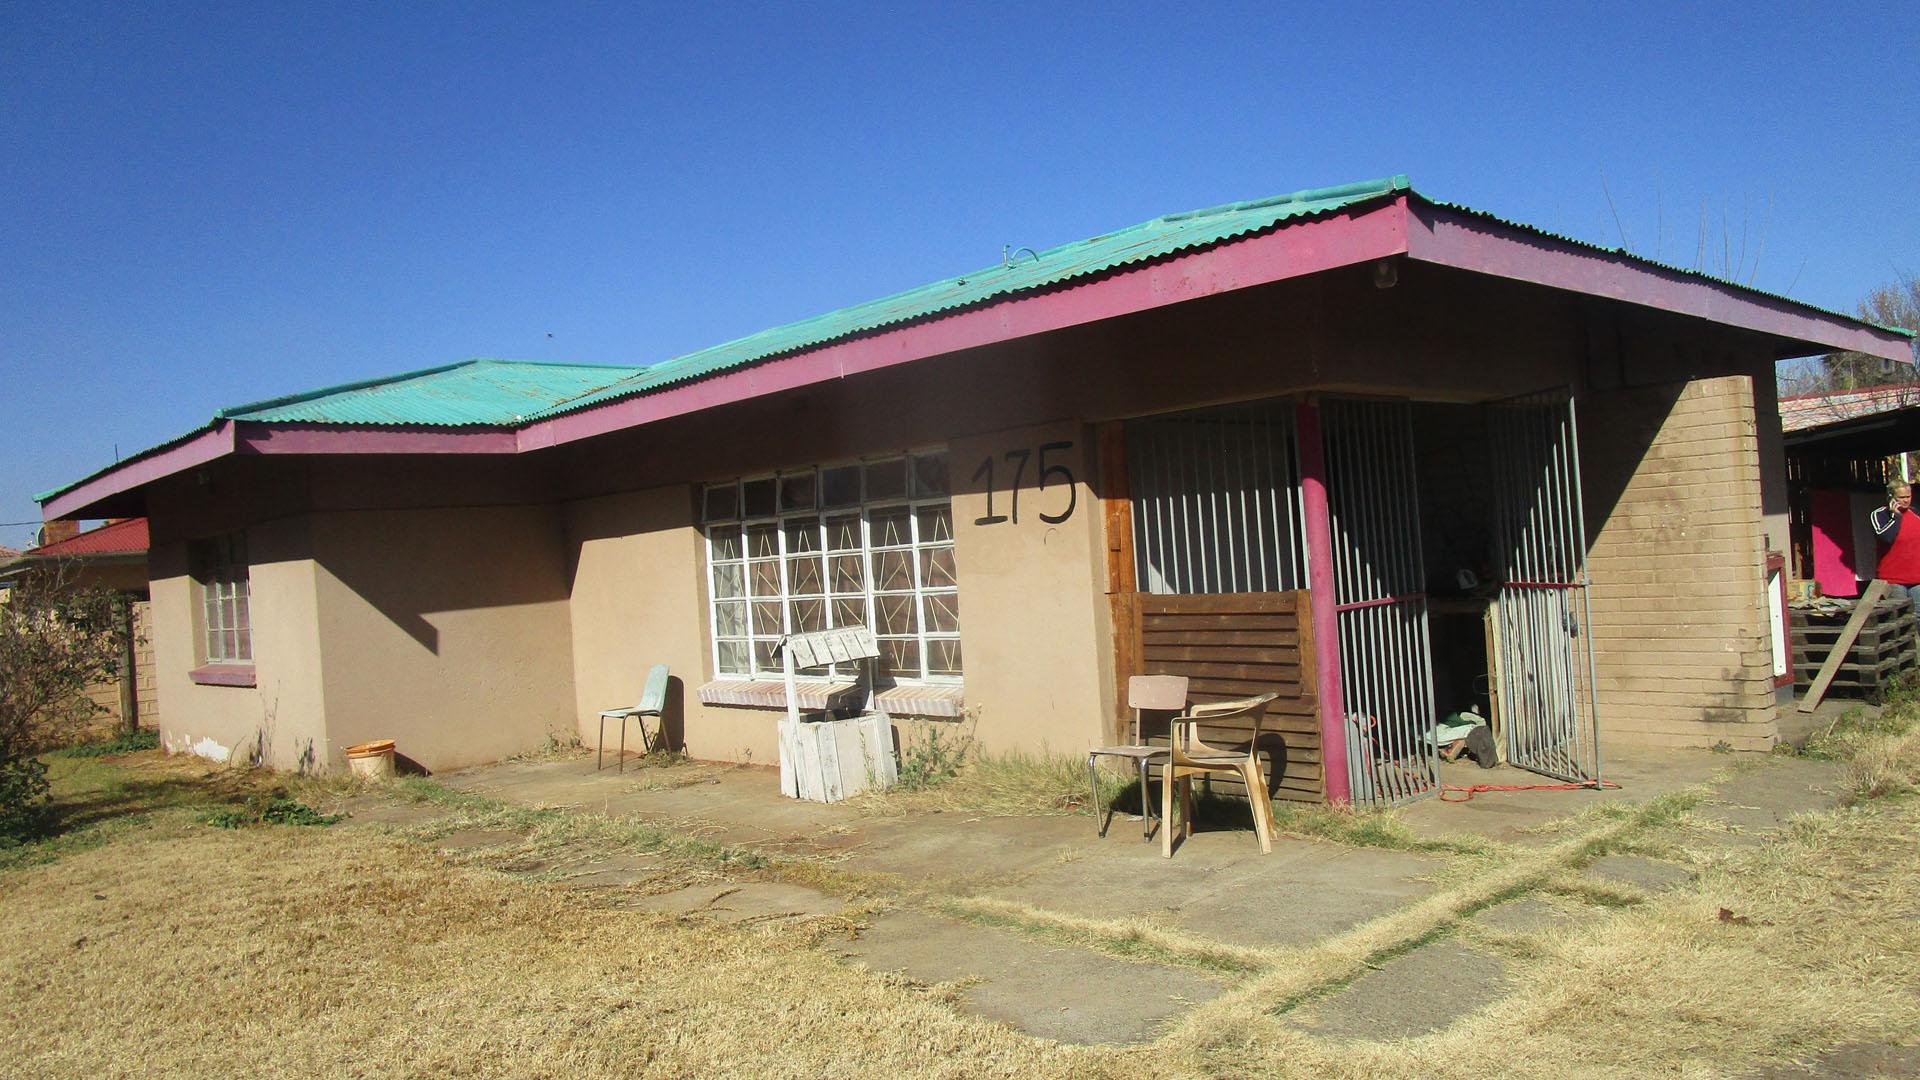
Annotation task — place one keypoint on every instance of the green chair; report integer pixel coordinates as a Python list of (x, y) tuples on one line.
[(652, 700)]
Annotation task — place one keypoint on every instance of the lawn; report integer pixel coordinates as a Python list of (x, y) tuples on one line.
[(145, 940)]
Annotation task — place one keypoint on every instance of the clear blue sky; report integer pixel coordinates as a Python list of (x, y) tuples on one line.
[(216, 204)]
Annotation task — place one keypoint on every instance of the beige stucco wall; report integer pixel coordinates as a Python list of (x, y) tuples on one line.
[(638, 599), (1035, 648), (1680, 619), (445, 630), (468, 634), (280, 721), (1037, 653)]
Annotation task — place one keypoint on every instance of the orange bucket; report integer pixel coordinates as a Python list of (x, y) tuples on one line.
[(371, 759)]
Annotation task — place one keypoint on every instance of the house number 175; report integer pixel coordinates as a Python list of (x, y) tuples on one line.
[(1050, 475)]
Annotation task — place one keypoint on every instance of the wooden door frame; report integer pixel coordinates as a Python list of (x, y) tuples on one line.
[(1116, 498)]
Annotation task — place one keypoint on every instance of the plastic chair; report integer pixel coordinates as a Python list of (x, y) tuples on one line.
[(1188, 757), (1160, 692), (653, 699)]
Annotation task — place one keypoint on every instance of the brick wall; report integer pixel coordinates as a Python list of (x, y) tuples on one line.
[(145, 683), (1677, 559), (107, 694)]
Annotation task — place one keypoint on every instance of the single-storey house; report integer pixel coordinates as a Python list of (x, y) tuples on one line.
[(1382, 455), (1839, 445), (112, 556)]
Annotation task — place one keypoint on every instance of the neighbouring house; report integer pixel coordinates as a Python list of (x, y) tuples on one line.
[(1839, 446), (112, 556), (1380, 455), (7, 557)]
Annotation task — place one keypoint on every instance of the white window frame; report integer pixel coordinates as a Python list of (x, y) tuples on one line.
[(226, 598), (913, 500)]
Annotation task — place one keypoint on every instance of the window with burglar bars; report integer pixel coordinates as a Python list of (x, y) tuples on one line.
[(1216, 500), (225, 600), (865, 542)]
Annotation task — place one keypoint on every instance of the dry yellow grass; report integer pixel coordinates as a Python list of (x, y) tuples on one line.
[(294, 952), (1830, 955), (1887, 764), (175, 949)]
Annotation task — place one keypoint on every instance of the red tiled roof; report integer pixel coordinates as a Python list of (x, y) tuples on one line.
[(1803, 411), (128, 537)]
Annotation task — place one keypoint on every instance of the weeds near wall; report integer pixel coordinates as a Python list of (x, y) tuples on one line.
[(932, 753), (127, 742), (1881, 753), (944, 768), (268, 808)]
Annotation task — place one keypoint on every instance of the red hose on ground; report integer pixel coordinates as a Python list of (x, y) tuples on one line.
[(1584, 785)]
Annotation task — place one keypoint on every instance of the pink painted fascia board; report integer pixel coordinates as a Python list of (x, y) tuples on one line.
[(299, 439), (1293, 250), (1449, 238), (197, 450)]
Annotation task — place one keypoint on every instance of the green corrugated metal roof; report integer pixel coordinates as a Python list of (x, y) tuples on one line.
[(506, 393), (501, 393), (482, 393), (1148, 240)]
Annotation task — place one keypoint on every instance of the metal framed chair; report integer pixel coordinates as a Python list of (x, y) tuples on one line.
[(1188, 757), (1163, 693), (653, 699)]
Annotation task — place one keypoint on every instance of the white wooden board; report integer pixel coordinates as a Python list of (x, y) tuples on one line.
[(833, 759)]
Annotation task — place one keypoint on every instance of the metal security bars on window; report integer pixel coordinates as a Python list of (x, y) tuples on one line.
[(861, 543), (226, 600), (1216, 501)]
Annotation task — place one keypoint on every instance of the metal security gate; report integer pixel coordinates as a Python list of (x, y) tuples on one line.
[(1546, 663), (1386, 665), (1216, 501)]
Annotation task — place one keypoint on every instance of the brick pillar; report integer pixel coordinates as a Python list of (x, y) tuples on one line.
[(1681, 631)]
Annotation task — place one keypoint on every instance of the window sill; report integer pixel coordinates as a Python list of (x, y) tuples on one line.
[(819, 694), (223, 675)]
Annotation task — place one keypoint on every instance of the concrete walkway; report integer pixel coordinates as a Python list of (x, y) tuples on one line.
[(990, 904)]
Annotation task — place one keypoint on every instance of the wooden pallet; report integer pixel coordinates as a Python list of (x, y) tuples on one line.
[(1883, 650)]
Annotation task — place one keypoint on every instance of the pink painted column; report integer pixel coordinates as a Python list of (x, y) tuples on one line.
[(1326, 621)]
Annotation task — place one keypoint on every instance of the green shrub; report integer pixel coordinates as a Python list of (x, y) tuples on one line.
[(126, 742), (270, 809), (24, 803)]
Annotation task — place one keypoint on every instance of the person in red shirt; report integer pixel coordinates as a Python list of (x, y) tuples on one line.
[(1898, 528)]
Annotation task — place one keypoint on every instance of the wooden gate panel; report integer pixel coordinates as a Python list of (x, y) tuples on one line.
[(1233, 645)]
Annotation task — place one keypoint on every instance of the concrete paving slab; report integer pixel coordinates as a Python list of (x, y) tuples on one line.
[(1640, 872), (953, 849), (1517, 817), (732, 903), (1795, 726), (1053, 991), (739, 805), (375, 810), (1302, 892), (1524, 916), (1855, 1061), (605, 872), (1416, 994), (1774, 790), (478, 839)]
